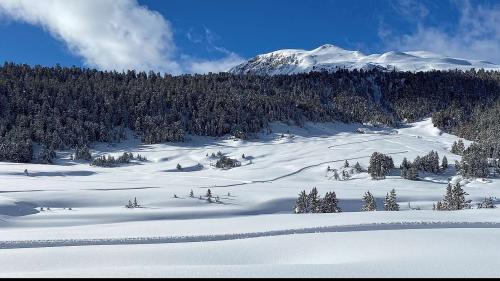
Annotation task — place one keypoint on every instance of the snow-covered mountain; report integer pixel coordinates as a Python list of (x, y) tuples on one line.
[(331, 58)]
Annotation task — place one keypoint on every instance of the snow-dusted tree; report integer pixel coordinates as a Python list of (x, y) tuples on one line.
[(209, 194), (454, 199), (458, 195), (458, 147), (408, 170), (380, 165), (329, 204), (390, 202), (136, 205), (314, 201), (447, 203), (336, 175), (439, 206), (345, 175), (486, 204), (358, 168), (369, 203), (346, 164), (179, 167), (129, 205), (444, 164), (191, 194), (301, 205)]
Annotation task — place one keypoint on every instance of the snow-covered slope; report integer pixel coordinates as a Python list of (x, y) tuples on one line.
[(331, 58), (252, 231)]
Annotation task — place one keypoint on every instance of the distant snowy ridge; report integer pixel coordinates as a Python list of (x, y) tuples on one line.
[(332, 58)]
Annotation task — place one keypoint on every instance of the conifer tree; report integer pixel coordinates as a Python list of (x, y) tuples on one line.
[(301, 205), (329, 204), (458, 195), (314, 200), (390, 202), (444, 164), (369, 203), (358, 168)]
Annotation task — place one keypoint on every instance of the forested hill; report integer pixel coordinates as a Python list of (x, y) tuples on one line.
[(71, 107)]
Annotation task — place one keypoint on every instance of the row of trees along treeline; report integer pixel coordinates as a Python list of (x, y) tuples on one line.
[(313, 203), (60, 108)]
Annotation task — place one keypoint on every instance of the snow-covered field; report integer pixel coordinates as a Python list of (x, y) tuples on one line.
[(252, 231)]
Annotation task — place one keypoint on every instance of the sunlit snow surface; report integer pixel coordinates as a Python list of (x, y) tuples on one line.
[(252, 232), (332, 58)]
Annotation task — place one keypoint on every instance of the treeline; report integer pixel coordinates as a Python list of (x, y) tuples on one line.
[(62, 108)]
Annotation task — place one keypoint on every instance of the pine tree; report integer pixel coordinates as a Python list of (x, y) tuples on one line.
[(346, 164), (447, 203), (314, 200), (369, 203), (390, 202), (444, 164), (486, 204), (458, 147), (412, 173), (358, 168), (191, 194), (136, 205), (209, 193), (345, 175), (179, 167), (129, 205), (458, 195), (405, 165), (329, 204), (380, 165), (301, 205), (439, 206)]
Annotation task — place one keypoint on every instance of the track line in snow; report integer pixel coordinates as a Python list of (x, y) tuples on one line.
[(357, 142), (20, 244), (298, 171)]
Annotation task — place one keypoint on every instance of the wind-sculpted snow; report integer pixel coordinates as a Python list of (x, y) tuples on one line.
[(331, 58)]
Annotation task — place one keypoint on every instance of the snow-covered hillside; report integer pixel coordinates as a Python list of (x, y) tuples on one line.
[(85, 230), (331, 58)]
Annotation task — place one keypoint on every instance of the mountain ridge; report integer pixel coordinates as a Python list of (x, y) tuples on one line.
[(331, 58)]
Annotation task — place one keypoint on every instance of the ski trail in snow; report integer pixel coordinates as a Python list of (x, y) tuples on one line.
[(297, 171), (20, 244), (363, 141)]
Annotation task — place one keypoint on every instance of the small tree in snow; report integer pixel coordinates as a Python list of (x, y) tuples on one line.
[(444, 164), (358, 168), (369, 203), (486, 204), (313, 200), (390, 202), (329, 204), (301, 205)]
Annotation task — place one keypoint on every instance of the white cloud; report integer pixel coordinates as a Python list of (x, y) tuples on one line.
[(109, 34), (476, 35), (215, 66)]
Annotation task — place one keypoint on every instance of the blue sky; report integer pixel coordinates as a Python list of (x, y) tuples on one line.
[(180, 36)]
